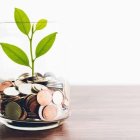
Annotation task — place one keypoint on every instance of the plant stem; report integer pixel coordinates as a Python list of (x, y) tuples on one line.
[(32, 60), (31, 53)]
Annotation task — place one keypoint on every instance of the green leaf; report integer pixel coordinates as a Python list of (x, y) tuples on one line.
[(45, 44), (15, 54), (22, 21), (41, 24)]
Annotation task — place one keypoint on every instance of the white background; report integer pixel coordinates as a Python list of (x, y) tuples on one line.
[(98, 41)]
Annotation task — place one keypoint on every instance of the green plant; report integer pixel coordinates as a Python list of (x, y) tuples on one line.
[(24, 25)]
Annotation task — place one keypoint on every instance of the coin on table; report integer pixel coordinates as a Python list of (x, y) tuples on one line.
[(57, 97), (44, 97), (13, 111), (25, 88), (5, 84), (48, 113), (11, 91)]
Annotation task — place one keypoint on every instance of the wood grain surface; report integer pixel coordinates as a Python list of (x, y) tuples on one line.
[(97, 113)]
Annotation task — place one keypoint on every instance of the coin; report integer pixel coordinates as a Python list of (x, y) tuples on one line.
[(38, 75), (57, 97), (11, 91), (24, 76), (41, 81), (25, 88), (44, 97), (27, 99), (49, 74), (5, 84), (33, 105), (60, 111), (13, 111), (38, 87), (49, 112), (23, 115), (55, 84), (18, 82), (40, 111)]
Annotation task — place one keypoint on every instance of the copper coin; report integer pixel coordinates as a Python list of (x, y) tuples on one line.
[(27, 99), (5, 85), (24, 114), (33, 105), (44, 97), (49, 112)]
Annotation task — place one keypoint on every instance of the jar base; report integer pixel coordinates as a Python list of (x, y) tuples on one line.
[(31, 126)]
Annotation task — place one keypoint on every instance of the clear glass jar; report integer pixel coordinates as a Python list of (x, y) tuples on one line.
[(34, 103)]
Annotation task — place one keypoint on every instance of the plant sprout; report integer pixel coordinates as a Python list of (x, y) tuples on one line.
[(24, 25)]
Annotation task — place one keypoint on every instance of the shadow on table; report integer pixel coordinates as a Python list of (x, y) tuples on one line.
[(58, 133)]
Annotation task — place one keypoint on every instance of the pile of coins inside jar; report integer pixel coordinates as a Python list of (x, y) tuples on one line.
[(42, 97)]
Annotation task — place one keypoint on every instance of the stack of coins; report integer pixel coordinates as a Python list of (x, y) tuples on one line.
[(41, 97)]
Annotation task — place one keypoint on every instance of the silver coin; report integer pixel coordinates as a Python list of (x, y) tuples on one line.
[(40, 113), (18, 82), (55, 84), (49, 74), (38, 75), (25, 88), (24, 76), (38, 87), (57, 97), (41, 81), (60, 111), (11, 91)]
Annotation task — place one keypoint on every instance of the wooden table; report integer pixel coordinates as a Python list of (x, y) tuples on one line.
[(97, 113)]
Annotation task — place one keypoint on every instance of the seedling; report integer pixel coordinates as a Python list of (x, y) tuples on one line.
[(29, 29)]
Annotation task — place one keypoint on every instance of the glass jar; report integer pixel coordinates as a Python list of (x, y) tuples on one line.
[(34, 103)]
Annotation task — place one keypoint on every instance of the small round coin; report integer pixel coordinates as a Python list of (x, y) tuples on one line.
[(13, 111), (25, 88), (57, 97), (49, 112), (11, 91), (38, 87), (24, 114), (44, 97), (24, 76), (5, 84)]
